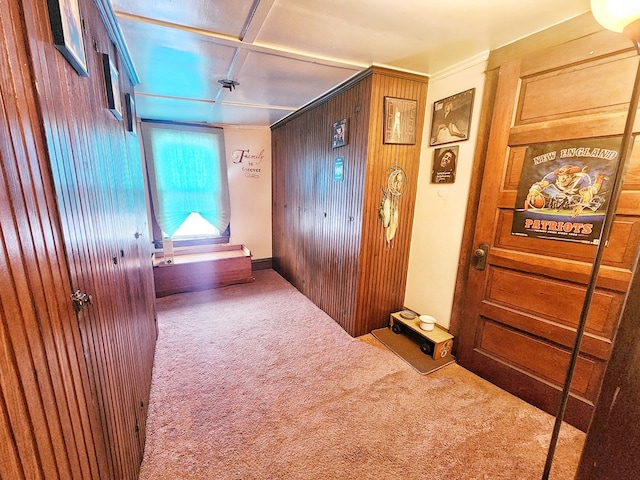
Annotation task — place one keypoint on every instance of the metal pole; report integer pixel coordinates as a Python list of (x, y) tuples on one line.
[(625, 153)]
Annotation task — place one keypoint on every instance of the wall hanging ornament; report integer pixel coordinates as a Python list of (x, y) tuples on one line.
[(388, 210)]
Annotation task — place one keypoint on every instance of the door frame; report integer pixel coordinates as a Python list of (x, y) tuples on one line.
[(570, 30), (583, 26)]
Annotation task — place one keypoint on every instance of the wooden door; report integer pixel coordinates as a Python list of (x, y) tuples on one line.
[(94, 172), (49, 425), (520, 313)]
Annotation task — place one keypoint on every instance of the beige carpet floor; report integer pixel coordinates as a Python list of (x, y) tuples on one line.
[(255, 382)]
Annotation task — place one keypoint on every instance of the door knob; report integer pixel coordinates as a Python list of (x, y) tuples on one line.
[(480, 256), (79, 300)]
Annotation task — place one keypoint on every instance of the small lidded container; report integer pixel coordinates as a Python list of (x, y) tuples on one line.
[(427, 322)]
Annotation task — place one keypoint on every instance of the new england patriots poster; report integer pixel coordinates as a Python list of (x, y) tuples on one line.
[(564, 189)]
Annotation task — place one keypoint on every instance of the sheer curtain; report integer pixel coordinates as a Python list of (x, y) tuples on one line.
[(187, 174)]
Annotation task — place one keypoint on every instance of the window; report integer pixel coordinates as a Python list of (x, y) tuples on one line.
[(187, 181)]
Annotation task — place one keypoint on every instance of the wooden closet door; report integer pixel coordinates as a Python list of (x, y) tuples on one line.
[(93, 171), (49, 425), (521, 311)]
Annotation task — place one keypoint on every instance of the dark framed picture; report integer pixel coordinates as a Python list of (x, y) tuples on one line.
[(400, 120), (445, 162), (113, 86), (66, 26), (339, 131), (452, 118), (130, 106)]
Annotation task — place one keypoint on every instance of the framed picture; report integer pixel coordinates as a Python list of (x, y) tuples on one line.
[(445, 162), (400, 120), (66, 26), (339, 138), (130, 106), (451, 118), (113, 86), (338, 169)]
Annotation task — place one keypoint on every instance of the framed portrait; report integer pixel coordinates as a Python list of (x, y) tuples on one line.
[(400, 120), (339, 133), (66, 26), (445, 162), (130, 107), (452, 118), (112, 86)]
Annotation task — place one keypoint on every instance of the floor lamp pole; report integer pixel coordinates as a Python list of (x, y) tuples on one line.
[(625, 154)]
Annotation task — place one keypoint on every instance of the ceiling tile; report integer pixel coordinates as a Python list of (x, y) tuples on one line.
[(283, 82), (171, 109), (241, 115), (225, 17), (176, 63), (408, 34)]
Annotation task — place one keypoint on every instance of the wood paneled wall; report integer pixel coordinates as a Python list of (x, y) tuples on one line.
[(328, 240), (75, 387)]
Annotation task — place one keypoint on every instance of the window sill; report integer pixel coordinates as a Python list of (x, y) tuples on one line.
[(199, 253), (193, 242)]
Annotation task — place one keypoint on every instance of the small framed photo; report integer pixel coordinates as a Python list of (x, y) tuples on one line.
[(445, 162), (452, 118), (130, 106), (112, 84), (400, 120), (66, 26), (338, 169), (339, 138)]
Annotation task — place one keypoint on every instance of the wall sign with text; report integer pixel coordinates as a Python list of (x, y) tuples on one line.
[(249, 160), (564, 190)]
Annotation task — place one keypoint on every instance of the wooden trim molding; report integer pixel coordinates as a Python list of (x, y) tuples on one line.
[(467, 247), (115, 34), (262, 264)]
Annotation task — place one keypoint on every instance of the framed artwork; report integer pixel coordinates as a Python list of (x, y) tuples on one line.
[(339, 133), (130, 106), (113, 86), (451, 118), (400, 120), (445, 162), (66, 26)]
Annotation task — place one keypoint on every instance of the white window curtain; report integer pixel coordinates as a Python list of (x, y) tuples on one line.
[(187, 174)]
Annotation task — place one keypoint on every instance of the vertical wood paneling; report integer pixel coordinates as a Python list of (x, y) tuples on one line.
[(327, 236), (74, 388), (44, 406), (385, 266)]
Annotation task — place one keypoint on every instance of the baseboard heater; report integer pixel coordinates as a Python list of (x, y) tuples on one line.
[(200, 268)]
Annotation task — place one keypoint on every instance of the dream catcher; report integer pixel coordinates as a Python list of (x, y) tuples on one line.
[(388, 211)]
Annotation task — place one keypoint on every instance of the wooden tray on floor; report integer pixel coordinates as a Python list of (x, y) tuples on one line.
[(410, 351)]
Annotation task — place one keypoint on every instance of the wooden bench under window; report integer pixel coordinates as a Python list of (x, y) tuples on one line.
[(201, 268)]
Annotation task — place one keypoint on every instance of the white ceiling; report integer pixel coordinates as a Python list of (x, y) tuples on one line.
[(286, 53)]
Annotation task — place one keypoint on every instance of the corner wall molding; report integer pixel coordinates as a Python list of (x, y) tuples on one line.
[(482, 57), (115, 34)]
